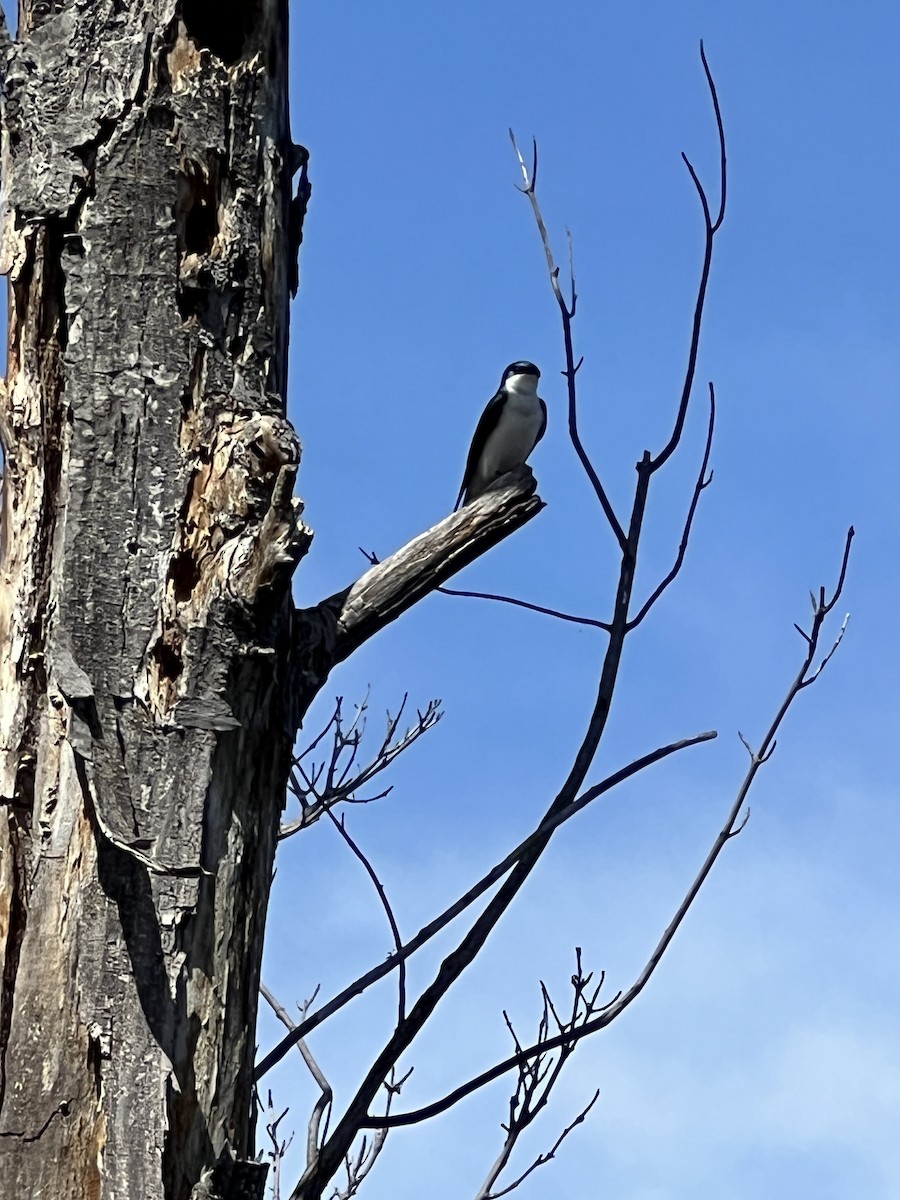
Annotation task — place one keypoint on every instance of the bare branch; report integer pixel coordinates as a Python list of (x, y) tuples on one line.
[(322, 1107), (711, 229), (539, 608), (703, 482), (747, 747), (723, 172), (572, 292), (326, 633), (740, 827), (385, 903), (827, 659), (567, 312), (335, 716), (547, 826), (827, 606)]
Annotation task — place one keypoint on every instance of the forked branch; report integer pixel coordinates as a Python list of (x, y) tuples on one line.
[(322, 1107), (537, 1078), (703, 482), (336, 779), (711, 228), (566, 312)]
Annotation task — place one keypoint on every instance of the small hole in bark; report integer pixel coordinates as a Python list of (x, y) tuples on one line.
[(196, 207), (161, 117), (185, 575), (225, 27), (170, 662), (190, 303), (197, 210), (95, 1060), (201, 226)]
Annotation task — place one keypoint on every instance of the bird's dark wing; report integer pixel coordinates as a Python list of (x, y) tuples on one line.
[(483, 430), (543, 428)]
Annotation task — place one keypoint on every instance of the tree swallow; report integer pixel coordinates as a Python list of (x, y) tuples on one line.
[(511, 426)]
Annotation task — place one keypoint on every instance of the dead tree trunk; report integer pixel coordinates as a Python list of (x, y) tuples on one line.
[(149, 542), (153, 670)]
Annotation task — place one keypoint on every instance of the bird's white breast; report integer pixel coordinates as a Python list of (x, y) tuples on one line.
[(514, 435)]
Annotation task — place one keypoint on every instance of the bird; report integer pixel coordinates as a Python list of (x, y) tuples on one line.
[(510, 427)]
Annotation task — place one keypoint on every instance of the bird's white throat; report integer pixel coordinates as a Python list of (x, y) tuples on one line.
[(523, 385)]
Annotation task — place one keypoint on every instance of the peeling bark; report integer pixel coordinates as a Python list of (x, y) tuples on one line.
[(150, 536), (153, 670)]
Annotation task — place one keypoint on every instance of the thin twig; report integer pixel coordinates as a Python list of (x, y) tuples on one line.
[(386, 905), (711, 228), (322, 1107), (549, 1154), (538, 1076), (703, 482), (539, 608), (566, 311), (373, 558), (279, 1146), (341, 783), (332, 720)]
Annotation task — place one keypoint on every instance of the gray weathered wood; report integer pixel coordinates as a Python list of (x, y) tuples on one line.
[(150, 537), (391, 587)]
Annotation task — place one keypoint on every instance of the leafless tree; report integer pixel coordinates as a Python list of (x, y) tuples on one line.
[(155, 670)]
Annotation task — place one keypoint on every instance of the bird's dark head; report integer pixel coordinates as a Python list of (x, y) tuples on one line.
[(521, 368), (521, 376)]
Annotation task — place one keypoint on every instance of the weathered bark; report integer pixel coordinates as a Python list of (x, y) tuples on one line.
[(149, 542), (153, 670)]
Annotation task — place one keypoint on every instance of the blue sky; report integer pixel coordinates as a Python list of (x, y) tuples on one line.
[(762, 1059)]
